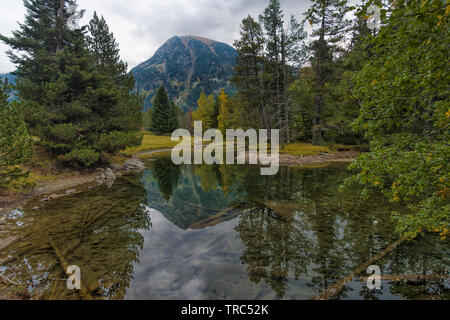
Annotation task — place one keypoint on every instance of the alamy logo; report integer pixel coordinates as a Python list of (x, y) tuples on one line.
[(74, 15), (374, 281), (213, 153), (74, 280), (374, 18)]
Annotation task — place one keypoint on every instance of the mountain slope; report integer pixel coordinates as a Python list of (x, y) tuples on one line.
[(186, 66), (12, 80)]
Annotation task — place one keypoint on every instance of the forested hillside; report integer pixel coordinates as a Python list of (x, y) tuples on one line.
[(186, 66)]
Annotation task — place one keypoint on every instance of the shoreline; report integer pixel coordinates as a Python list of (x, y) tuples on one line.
[(321, 159), (75, 182), (53, 188)]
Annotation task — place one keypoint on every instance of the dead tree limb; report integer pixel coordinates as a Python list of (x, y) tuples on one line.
[(330, 292), (84, 294)]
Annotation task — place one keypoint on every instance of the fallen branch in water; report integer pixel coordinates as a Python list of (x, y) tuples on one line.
[(83, 223), (84, 294), (97, 217), (131, 181), (338, 286), (10, 281), (411, 278), (226, 214), (5, 244)]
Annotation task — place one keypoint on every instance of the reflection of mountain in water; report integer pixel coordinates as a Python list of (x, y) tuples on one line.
[(187, 196), (293, 236)]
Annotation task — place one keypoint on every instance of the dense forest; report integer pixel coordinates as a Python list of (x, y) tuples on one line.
[(384, 89)]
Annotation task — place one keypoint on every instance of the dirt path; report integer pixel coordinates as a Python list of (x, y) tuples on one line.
[(11, 200), (151, 152)]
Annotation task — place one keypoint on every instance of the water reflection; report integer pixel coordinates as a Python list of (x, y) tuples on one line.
[(220, 232), (99, 231), (297, 234)]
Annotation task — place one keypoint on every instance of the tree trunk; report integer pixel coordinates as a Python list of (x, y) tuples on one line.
[(277, 92), (285, 89), (317, 129), (61, 25)]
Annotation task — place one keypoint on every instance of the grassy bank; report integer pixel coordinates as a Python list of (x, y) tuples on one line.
[(44, 169), (303, 149), (151, 142)]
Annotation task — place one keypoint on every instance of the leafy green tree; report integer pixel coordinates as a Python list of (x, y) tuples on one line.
[(206, 111), (225, 120), (164, 115), (15, 143), (77, 110), (405, 115)]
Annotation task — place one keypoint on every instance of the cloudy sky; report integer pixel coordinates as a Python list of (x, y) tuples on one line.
[(141, 26)]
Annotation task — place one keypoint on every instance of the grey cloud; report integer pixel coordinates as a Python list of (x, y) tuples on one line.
[(141, 26)]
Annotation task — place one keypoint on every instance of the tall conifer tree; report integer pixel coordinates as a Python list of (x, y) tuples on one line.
[(74, 108), (164, 117)]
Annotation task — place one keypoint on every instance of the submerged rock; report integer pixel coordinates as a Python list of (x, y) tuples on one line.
[(109, 174), (134, 164), (110, 177)]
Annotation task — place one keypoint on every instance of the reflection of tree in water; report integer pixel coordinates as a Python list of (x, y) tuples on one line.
[(167, 175), (299, 226), (303, 220), (99, 231), (195, 194), (426, 255), (293, 229), (209, 177), (274, 248)]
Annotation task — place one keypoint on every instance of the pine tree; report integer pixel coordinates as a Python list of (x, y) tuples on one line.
[(104, 49), (264, 69), (163, 113), (329, 18), (125, 119), (15, 143), (147, 120), (76, 110), (248, 70), (272, 21), (215, 114), (177, 116)]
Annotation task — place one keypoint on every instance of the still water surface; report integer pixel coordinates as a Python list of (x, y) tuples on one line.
[(218, 232)]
